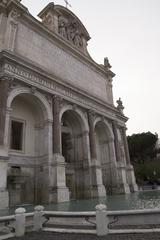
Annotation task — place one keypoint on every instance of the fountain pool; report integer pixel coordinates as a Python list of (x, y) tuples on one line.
[(138, 200)]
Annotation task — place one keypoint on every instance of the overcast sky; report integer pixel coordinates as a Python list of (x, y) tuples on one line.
[(128, 33)]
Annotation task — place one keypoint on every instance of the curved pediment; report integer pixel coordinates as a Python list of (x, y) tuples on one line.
[(63, 22)]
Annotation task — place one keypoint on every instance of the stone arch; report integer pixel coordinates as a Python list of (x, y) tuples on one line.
[(75, 146), (109, 129), (105, 152), (23, 90), (79, 113), (28, 163)]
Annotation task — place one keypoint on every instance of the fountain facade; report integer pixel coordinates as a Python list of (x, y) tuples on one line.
[(61, 136)]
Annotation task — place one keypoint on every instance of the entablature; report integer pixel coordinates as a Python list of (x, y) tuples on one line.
[(33, 76)]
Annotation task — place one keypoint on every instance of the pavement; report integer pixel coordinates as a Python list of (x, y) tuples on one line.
[(66, 236)]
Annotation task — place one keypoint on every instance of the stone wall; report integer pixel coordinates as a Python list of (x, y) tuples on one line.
[(54, 59)]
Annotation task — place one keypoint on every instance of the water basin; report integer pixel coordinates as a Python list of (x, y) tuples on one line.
[(138, 200)]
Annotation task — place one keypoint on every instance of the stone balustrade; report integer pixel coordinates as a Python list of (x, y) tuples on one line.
[(101, 221)]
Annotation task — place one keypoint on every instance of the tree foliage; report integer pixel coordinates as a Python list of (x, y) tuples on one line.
[(142, 146)]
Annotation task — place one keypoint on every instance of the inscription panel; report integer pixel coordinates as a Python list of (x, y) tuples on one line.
[(38, 49)]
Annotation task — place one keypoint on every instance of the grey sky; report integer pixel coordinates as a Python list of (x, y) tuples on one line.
[(128, 33)]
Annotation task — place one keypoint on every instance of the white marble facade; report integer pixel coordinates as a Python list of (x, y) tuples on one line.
[(61, 137)]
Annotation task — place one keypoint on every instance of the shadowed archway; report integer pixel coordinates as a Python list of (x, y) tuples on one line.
[(73, 144), (105, 154), (28, 141)]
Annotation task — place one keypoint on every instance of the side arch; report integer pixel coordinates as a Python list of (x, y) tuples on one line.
[(110, 131), (32, 112), (23, 90), (79, 113), (105, 149), (75, 149)]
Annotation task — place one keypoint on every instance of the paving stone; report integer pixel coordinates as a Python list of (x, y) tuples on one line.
[(65, 236)]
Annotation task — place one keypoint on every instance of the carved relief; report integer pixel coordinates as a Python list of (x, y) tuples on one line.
[(120, 106), (64, 23), (48, 21), (12, 32), (6, 77), (14, 14), (62, 27), (107, 64), (69, 30), (33, 90)]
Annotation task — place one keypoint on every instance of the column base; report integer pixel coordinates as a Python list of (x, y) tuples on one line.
[(123, 189), (87, 193), (131, 178), (4, 199), (123, 186), (59, 192), (133, 188), (59, 195), (97, 189)]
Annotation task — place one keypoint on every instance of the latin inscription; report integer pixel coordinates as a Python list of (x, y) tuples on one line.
[(53, 87)]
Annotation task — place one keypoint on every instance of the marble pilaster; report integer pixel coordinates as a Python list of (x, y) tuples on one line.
[(4, 88), (122, 183), (58, 190), (116, 142), (126, 149), (130, 170)]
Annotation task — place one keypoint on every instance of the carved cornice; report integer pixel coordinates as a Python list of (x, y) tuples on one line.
[(91, 113), (6, 6), (18, 8)]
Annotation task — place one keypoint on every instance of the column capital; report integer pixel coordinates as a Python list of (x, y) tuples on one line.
[(6, 77), (91, 112), (114, 122), (124, 128), (57, 98)]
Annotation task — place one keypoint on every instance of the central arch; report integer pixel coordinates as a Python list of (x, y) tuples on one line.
[(73, 144)]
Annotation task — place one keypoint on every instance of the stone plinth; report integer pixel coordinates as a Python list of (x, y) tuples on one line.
[(58, 191), (4, 200), (98, 189), (131, 178), (123, 186)]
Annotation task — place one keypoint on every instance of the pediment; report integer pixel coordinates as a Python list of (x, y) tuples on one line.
[(66, 24)]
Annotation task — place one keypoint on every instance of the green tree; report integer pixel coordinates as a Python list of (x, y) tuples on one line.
[(142, 146)]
